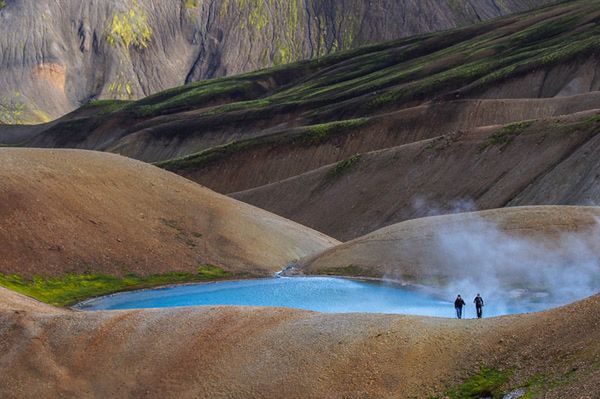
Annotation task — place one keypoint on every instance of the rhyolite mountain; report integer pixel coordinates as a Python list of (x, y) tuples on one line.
[(56, 56), (357, 140)]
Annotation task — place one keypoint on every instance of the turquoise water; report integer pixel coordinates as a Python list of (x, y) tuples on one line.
[(323, 294)]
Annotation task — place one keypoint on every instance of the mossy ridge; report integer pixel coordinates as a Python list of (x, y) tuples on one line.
[(593, 120), (507, 134), (486, 383), (249, 85), (419, 58), (342, 167), (244, 86), (309, 135), (435, 65), (108, 106), (70, 289), (450, 64), (348, 271)]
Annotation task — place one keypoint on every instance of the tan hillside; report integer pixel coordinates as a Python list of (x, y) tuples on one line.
[(501, 247), (237, 352), (66, 211)]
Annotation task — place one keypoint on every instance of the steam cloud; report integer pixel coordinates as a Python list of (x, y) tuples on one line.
[(514, 273)]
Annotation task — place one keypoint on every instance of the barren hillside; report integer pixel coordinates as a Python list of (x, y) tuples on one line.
[(79, 212), (536, 162), (499, 245), (256, 353)]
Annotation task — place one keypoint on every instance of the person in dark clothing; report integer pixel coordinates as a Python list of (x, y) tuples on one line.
[(479, 306), (458, 305)]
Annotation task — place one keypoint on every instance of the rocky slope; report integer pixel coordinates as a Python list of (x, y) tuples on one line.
[(472, 62), (237, 352), (547, 161), (79, 212), (273, 158), (57, 56)]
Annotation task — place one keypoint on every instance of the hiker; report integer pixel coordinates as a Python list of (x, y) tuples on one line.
[(478, 305), (458, 305)]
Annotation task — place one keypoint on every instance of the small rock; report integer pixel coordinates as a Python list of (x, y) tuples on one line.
[(516, 394)]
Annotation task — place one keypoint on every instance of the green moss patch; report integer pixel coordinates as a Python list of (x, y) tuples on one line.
[(342, 167), (593, 120), (70, 289), (487, 383), (108, 106), (507, 134), (130, 28), (310, 135), (191, 4), (348, 271)]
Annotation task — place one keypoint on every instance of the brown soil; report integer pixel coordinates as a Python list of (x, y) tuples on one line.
[(67, 211), (547, 162), (272, 163), (237, 352)]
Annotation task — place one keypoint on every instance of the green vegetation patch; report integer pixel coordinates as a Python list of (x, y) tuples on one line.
[(12, 109), (349, 271), (108, 106), (541, 384), (507, 134), (191, 4), (342, 167), (201, 94), (130, 28), (593, 119), (2, 4), (320, 133), (310, 135), (487, 383), (70, 289)]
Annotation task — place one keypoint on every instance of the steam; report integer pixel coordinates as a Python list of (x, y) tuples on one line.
[(513, 272), (424, 207)]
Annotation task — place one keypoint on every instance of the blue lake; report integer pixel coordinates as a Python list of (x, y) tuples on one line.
[(323, 294)]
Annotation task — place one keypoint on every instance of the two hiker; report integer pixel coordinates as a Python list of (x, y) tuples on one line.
[(459, 303)]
